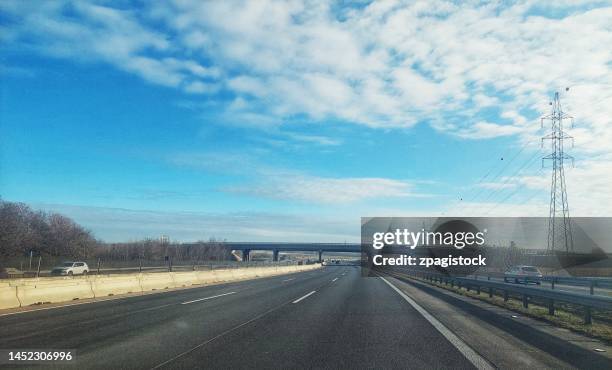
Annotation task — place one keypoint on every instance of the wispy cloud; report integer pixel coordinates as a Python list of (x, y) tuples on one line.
[(316, 139), (226, 162), (488, 130), (477, 71), (326, 190), (118, 224), (271, 182), (384, 65), (87, 31)]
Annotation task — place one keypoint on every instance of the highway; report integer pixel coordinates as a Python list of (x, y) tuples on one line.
[(328, 318)]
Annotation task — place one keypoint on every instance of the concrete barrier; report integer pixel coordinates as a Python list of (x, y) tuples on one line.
[(8, 296), (205, 277), (50, 290), (105, 285), (156, 281), (222, 275), (25, 292), (184, 279), (240, 274)]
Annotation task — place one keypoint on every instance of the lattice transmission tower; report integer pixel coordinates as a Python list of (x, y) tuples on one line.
[(559, 225)]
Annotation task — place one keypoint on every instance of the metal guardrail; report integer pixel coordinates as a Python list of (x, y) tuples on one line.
[(586, 301), (588, 282), (592, 282)]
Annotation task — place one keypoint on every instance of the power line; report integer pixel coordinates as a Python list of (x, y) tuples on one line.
[(526, 164), (504, 168), (484, 177), (512, 194)]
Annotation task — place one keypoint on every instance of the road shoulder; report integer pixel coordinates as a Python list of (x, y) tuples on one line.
[(499, 334)]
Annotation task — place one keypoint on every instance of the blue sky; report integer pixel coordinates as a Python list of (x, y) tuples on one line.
[(289, 121)]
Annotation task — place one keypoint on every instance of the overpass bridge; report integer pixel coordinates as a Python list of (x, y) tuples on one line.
[(247, 247)]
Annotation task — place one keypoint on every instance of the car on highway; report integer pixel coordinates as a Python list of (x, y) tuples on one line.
[(71, 268), (523, 274)]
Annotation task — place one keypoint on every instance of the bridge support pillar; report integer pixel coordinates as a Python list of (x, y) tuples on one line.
[(275, 255), (246, 255), (320, 256)]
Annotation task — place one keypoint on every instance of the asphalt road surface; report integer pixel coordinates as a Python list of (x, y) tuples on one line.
[(328, 318)]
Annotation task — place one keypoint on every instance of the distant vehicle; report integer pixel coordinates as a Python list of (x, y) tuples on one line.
[(71, 268), (331, 262), (523, 274)]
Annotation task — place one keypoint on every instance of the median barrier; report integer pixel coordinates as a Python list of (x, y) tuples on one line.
[(105, 285), (205, 277), (252, 272), (262, 271), (8, 296), (242, 274), (25, 292), (223, 275), (184, 279), (285, 269), (156, 281), (257, 271), (50, 290)]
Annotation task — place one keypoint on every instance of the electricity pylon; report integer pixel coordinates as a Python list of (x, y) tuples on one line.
[(559, 225)]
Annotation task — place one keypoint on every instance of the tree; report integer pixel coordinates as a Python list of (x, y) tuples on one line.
[(23, 229)]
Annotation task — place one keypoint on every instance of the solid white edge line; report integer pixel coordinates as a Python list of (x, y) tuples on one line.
[(284, 281), (304, 297), (97, 300), (51, 308), (477, 360), (207, 298), (334, 279)]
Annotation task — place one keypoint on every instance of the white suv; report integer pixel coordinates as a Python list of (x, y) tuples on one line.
[(71, 268)]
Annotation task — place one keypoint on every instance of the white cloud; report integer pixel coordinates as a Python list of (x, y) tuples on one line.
[(487, 130), (316, 139), (474, 70), (247, 85), (287, 186), (198, 87), (86, 31), (383, 65), (276, 183)]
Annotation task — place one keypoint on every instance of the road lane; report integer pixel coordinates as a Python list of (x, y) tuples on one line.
[(351, 323), (138, 332)]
